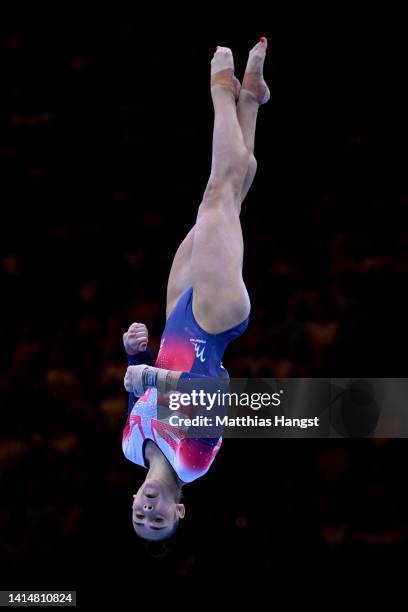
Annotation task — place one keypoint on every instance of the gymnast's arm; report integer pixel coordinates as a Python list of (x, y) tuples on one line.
[(137, 352), (141, 374), (139, 378)]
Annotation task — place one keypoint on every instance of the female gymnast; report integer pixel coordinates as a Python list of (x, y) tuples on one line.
[(207, 306)]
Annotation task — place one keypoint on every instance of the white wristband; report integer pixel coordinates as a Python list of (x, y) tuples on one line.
[(133, 380)]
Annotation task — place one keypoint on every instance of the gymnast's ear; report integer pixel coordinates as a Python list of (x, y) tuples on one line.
[(180, 510)]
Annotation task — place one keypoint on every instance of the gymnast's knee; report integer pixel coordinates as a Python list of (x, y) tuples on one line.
[(231, 173), (252, 164), (223, 193)]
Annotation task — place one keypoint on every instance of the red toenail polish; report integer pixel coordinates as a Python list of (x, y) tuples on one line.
[(262, 39)]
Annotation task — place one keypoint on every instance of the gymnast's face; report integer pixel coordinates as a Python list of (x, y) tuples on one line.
[(155, 511)]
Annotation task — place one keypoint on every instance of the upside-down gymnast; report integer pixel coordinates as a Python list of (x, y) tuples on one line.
[(207, 305)]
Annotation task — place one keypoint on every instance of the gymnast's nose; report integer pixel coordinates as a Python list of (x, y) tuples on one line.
[(147, 508)]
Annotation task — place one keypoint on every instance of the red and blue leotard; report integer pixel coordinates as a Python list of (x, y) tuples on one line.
[(186, 347)]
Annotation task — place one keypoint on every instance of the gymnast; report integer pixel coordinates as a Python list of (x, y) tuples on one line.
[(207, 306)]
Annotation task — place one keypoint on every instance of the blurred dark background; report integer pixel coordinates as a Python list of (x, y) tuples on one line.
[(105, 150)]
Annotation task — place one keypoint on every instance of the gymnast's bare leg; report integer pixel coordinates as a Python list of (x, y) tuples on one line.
[(235, 124)]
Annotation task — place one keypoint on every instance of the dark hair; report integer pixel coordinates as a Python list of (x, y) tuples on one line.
[(160, 549), (157, 550)]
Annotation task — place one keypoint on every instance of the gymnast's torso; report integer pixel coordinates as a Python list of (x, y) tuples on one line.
[(187, 347)]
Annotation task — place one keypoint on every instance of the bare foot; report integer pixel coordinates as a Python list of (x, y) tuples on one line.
[(222, 71), (253, 81)]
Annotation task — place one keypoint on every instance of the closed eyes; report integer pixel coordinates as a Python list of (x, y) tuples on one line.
[(151, 527)]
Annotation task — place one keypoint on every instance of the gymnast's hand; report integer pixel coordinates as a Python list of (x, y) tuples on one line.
[(136, 338)]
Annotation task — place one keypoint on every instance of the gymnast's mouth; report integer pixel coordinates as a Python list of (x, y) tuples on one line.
[(151, 492)]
